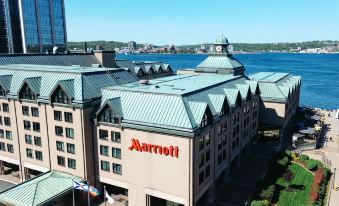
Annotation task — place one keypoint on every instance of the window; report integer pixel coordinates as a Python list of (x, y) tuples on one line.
[(0, 120), (29, 153), (105, 166), (60, 146), (28, 139), (208, 155), (68, 117), (117, 168), (219, 129), (224, 141), (202, 160), (116, 152), (207, 139), (69, 133), (5, 107), (27, 93), (207, 171), (71, 163), (115, 137), (219, 144), (10, 148), (60, 96), (7, 121), (224, 154), (35, 112), (219, 159), (71, 148), (38, 155), (61, 160), (103, 134), (27, 125), (36, 126), (25, 110), (2, 134), (2, 91), (224, 126), (2, 146), (108, 116), (59, 131), (104, 150), (37, 141), (206, 120), (201, 177), (201, 143), (57, 116), (9, 135)]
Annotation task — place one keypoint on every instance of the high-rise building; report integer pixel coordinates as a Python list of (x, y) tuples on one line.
[(132, 45), (32, 26)]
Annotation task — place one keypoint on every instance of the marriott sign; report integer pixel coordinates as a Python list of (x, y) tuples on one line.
[(172, 151)]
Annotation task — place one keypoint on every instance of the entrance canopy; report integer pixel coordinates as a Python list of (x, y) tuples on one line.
[(40, 190)]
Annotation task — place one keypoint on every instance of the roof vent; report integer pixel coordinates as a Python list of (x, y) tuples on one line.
[(156, 86), (144, 81)]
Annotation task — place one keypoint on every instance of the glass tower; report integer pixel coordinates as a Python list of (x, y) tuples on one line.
[(32, 26)]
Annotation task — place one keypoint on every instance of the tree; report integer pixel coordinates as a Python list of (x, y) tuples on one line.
[(268, 193)]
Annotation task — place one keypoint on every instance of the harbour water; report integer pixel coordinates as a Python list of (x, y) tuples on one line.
[(319, 72)]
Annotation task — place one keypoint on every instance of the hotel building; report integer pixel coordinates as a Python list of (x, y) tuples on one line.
[(165, 141)]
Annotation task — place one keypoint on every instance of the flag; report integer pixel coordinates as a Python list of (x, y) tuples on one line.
[(93, 191), (80, 186), (109, 198)]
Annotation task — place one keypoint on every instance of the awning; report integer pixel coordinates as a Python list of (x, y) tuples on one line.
[(40, 190)]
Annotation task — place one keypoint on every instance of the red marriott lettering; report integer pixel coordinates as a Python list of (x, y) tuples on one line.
[(172, 151)]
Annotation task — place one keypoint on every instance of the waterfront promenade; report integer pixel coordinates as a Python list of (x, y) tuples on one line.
[(329, 153)]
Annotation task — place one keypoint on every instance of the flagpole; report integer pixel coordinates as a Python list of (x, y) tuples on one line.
[(105, 194), (73, 191)]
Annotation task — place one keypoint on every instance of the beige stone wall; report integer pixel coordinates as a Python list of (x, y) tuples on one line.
[(148, 173)]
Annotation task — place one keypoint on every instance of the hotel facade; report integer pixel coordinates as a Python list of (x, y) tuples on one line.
[(166, 141)]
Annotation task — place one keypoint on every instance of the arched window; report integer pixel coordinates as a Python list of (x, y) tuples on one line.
[(27, 93), (59, 96), (2, 91), (107, 115)]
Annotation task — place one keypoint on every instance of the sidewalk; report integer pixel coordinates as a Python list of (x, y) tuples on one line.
[(330, 151)]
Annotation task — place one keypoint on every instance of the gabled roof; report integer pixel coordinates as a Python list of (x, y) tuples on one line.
[(68, 87), (5, 82), (232, 95), (198, 110), (115, 105), (34, 84), (216, 62), (243, 89), (40, 190)]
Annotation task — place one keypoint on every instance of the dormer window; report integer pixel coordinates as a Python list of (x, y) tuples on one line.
[(107, 115), (206, 119), (140, 73), (224, 109), (2, 91), (27, 93), (151, 72), (59, 96)]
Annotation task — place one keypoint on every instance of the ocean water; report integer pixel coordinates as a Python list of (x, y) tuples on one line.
[(319, 72)]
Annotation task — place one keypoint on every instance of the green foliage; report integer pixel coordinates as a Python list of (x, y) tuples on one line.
[(303, 158), (268, 193), (312, 164), (283, 162), (260, 203)]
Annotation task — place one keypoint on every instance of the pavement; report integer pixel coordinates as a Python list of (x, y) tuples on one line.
[(4, 185), (244, 178), (329, 153)]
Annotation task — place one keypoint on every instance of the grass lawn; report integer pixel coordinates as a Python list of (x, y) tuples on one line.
[(302, 182)]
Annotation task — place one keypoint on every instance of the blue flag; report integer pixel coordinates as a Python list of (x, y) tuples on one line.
[(80, 186)]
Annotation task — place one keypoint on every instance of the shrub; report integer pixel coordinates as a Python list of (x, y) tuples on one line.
[(303, 157), (268, 193), (260, 203), (288, 176), (318, 179), (312, 164), (283, 162)]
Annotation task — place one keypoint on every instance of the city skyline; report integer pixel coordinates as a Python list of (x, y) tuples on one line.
[(182, 23)]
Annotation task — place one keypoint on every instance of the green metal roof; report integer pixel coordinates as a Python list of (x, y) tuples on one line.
[(80, 83), (221, 40), (176, 102), (5, 82), (219, 61), (40, 190)]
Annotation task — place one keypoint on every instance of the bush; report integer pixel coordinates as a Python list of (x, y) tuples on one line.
[(312, 164), (304, 158), (288, 176), (260, 203), (315, 188), (283, 162), (268, 193)]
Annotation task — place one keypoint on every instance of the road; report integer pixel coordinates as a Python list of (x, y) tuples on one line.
[(5, 185)]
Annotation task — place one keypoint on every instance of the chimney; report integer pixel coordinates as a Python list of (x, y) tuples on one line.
[(106, 58)]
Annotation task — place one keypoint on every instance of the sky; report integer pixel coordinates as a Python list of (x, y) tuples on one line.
[(183, 22)]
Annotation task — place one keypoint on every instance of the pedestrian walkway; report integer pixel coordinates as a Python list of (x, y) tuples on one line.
[(329, 153)]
